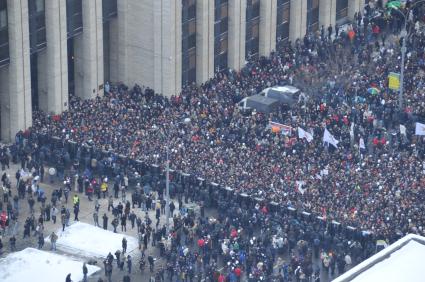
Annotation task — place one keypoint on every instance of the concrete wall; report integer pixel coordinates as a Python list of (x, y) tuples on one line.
[(121, 73), (355, 6), (204, 40), (89, 52), (4, 104), (268, 19), (42, 76), (237, 34), (16, 112), (327, 13), (298, 19), (113, 49), (149, 52), (53, 62)]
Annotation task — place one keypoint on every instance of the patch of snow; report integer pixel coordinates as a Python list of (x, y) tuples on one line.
[(87, 240), (41, 266), (400, 261), (403, 265)]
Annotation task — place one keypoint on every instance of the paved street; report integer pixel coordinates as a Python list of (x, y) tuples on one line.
[(85, 215)]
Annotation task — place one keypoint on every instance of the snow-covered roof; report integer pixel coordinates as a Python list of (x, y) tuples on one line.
[(401, 261), (286, 88)]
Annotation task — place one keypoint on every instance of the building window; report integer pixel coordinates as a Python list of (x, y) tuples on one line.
[(312, 16), (37, 25), (3, 18), (74, 17), (252, 40), (221, 29), (109, 9), (341, 10), (188, 41), (4, 35), (282, 22)]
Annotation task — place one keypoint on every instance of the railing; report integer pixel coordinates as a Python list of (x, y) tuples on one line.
[(202, 184)]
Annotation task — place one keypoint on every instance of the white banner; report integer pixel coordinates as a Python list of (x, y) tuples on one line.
[(420, 129), (329, 138), (304, 134)]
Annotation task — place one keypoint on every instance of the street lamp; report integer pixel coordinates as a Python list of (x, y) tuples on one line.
[(167, 190), (167, 178), (403, 52)]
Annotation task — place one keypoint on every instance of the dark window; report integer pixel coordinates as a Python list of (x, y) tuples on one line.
[(109, 9), (74, 17), (312, 16), (188, 41), (37, 25), (221, 34), (252, 28), (282, 22), (341, 9), (4, 35)]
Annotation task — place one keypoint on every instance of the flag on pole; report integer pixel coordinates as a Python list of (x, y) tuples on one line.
[(361, 143), (304, 134), (402, 130), (420, 129), (300, 185), (352, 130), (278, 127), (329, 138)]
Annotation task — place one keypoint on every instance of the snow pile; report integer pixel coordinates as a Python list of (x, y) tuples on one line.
[(41, 266), (405, 264), (87, 240), (402, 261)]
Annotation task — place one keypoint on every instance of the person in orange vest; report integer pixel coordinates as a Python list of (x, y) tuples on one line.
[(351, 35)]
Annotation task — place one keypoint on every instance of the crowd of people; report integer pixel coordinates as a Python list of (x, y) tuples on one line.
[(371, 181), (372, 187)]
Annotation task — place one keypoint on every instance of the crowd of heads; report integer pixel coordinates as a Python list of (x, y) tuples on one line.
[(376, 188)]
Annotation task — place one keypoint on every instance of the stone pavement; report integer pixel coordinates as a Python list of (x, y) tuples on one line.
[(86, 216)]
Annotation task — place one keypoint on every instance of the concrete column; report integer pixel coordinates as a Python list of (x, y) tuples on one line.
[(327, 13), (355, 6), (298, 19), (167, 42), (237, 34), (204, 40), (53, 63), (42, 65), (89, 52), (114, 50), (16, 111), (178, 47), (4, 105), (120, 51), (268, 19)]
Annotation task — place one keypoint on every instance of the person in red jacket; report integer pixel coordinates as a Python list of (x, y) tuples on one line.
[(3, 219)]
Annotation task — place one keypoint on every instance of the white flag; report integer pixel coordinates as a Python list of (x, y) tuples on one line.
[(300, 184), (329, 138), (361, 143), (304, 134), (352, 130), (402, 130), (420, 129)]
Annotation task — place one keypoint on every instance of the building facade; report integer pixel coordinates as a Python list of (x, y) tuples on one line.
[(51, 49)]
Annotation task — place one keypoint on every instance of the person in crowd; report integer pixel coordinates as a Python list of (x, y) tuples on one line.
[(289, 184)]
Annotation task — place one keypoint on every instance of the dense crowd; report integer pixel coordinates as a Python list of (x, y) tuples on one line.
[(375, 188)]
